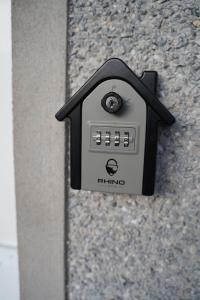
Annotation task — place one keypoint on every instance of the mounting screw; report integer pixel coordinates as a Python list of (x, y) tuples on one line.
[(112, 102)]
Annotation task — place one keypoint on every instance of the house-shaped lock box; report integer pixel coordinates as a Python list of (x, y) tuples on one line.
[(114, 121)]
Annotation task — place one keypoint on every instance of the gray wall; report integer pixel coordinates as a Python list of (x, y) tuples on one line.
[(39, 63), (129, 247)]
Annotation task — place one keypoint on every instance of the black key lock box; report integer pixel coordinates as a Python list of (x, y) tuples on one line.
[(114, 121)]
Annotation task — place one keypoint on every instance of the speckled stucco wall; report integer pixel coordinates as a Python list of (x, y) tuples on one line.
[(133, 247)]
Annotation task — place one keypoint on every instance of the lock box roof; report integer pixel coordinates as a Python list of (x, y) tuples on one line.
[(115, 68)]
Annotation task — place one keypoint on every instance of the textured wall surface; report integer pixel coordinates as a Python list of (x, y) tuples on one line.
[(132, 247)]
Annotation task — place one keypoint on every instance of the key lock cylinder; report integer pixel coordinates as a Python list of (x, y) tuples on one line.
[(114, 120)]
